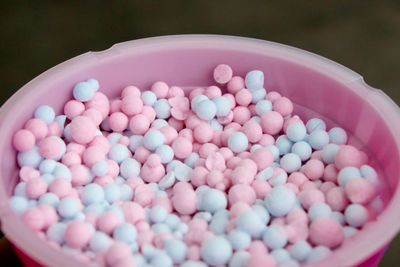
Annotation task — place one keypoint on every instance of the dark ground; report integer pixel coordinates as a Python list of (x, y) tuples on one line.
[(362, 35)]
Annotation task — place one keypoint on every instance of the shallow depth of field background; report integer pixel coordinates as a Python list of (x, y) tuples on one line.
[(362, 35)]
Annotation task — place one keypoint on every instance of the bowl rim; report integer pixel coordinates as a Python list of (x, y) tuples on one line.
[(349, 254)]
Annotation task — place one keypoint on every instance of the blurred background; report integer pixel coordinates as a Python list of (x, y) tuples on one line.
[(361, 35)]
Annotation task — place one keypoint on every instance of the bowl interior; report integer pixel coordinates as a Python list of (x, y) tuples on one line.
[(317, 88)]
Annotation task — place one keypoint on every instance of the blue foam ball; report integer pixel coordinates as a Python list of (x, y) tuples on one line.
[(45, 113), (356, 215), (218, 224), (153, 139), (158, 214), (319, 210), (63, 171), (129, 168), (113, 138), (126, 192), (196, 100), (296, 131), (239, 259), (162, 108), (118, 153), (18, 204), (206, 110), (279, 201), (19, 190), (337, 136), (239, 239), (192, 159), (258, 95), (148, 98), (329, 152), (263, 106), (99, 242), (238, 142), (290, 162), (283, 144), (302, 149), (213, 201), (49, 199), (223, 105), (172, 221), (275, 151), (300, 251), (315, 124), (68, 207), (112, 193), (176, 249), (56, 231), (274, 237), (262, 213), (166, 153), (318, 139), (135, 141), (161, 260), (346, 174), (318, 253), (92, 193), (216, 251), (29, 158), (83, 91), (251, 223), (125, 232), (280, 255), (254, 80)]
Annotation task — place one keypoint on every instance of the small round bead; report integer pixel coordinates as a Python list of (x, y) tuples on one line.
[(274, 237)]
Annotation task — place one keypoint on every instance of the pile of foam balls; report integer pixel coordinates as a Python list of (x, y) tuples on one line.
[(224, 175)]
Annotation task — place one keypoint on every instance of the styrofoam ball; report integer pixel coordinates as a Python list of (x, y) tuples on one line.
[(337, 136), (213, 200), (315, 124), (153, 139), (302, 149), (118, 153), (206, 110), (239, 240), (216, 251), (274, 237), (254, 80), (125, 232), (166, 153), (223, 106), (45, 113), (129, 168), (318, 139), (356, 215), (283, 144), (290, 162), (238, 142), (296, 131), (279, 201), (329, 152), (239, 259), (300, 251), (148, 98), (250, 222), (162, 108), (176, 249), (319, 210), (346, 174)]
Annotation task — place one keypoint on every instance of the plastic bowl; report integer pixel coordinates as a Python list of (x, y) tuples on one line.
[(318, 87)]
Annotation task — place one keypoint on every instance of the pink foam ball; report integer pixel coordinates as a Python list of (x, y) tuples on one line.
[(185, 202), (92, 155), (243, 97), (115, 105), (241, 193), (82, 129), (212, 92), (117, 252), (199, 176), (296, 231), (94, 115), (195, 92), (49, 214), (23, 140), (169, 133), (261, 188), (222, 74), (266, 139), (35, 187), (160, 89), (207, 149), (203, 133), (175, 91), (235, 84), (141, 154), (244, 154), (118, 122), (37, 127), (226, 153), (214, 177), (262, 157), (142, 226), (257, 246), (215, 161), (100, 102), (73, 108), (260, 260), (192, 121), (80, 175), (144, 195), (241, 115), (77, 234), (252, 130), (27, 173), (51, 147), (61, 187), (359, 190), (284, 106), (149, 112), (193, 253), (311, 196), (198, 224), (233, 162), (126, 262), (317, 155), (103, 180), (226, 119), (133, 182), (133, 212), (152, 174), (326, 186), (308, 185), (163, 202), (292, 187), (349, 156), (237, 209), (297, 178), (139, 124), (250, 165), (182, 186), (186, 133), (108, 221), (271, 122), (216, 140), (242, 175), (182, 147), (175, 124), (132, 105), (326, 232), (330, 173), (273, 96), (91, 218), (75, 147), (297, 215), (54, 129), (124, 140), (336, 198), (313, 169), (33, 218), (130, 90), (113, 168), (145, 237), (71, 158)]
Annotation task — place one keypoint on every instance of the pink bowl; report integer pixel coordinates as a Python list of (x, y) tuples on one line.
[(318, 87)]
